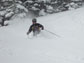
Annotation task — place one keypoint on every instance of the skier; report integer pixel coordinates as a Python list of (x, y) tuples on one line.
[(43, 6), (35, 27), (2, 20)]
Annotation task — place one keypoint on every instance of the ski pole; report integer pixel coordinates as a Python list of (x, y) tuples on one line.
[(52, 33)]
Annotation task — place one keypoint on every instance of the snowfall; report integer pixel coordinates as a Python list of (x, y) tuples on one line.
[(62, 40)]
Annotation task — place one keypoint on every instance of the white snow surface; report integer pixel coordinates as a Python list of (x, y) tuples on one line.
[(17, 47)]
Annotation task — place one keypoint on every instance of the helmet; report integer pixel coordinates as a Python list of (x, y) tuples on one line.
[(34, 20)]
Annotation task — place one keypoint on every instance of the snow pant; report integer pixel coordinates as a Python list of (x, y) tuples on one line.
[(36, 32)]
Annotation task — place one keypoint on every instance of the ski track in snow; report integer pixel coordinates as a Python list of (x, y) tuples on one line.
[(17, 47)]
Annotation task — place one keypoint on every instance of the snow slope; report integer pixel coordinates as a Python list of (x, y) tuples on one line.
[(17, 47)]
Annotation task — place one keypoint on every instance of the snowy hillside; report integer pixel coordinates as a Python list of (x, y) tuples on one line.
[(17, 47)]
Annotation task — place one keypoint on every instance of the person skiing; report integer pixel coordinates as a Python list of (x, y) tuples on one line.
[(35, 27), (2, 20)]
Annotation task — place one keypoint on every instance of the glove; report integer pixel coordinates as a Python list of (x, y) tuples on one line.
[(27, 33), (42, 28)]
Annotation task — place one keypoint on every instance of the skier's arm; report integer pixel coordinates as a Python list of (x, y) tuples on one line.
[(41, 26), (30, 29)]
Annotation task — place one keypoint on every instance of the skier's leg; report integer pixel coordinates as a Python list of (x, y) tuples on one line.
[(39, 31), (34, 33)]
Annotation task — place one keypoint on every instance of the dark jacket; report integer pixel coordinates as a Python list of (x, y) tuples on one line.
[(35, 27), (2, 21)]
